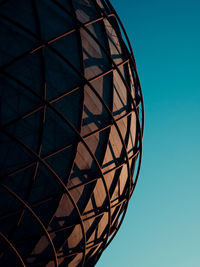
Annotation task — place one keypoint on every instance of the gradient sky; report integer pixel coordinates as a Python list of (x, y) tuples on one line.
[(162, 226)]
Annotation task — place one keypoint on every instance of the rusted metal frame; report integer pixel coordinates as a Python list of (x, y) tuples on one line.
[(70, 188), (77, 30), (71, 226), (32, 205), (62, 95), (140, 138), (87, 218), (19, 199), (119, 212), (68, 32), (13, 249), (54, 174), (131, 59), (120, 199), (98, 241), (96, 245), (121, 76), (96, 178), (109, 125), (69, 124), (132, 56), (129, 90), (107, 47), (75, 150), (79, 129), (114, 64), (78, 135), (40, 107), (69, 255), (110, 71), (123, 80), (34, 174), (100, 99), (105, 186), (67, 146), (103, 246), (123, 213), (118, 203), (104, 235), (91, 181), (41, 128), (103, 102), (134, 154), (123, 163), (115, 168), (76, 253), (61, 228), (104, 173), (62, 117), (107, 72), (42, 45), (103, 212), (84, 183), (134, 72)]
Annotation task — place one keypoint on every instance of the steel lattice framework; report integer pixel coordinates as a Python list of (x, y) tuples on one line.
[(72, 120)]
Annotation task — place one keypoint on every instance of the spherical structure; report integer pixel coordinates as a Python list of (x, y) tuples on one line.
[(71, 130)]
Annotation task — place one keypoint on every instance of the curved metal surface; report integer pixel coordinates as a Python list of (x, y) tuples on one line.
[(101, 156)]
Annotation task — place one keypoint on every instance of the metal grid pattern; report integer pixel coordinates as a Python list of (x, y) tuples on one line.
[(72, 120)]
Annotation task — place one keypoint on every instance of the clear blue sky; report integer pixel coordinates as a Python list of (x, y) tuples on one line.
[(162, 226)]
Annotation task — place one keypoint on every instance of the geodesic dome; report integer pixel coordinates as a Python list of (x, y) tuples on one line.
[(71, 130)]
